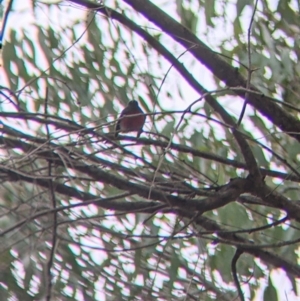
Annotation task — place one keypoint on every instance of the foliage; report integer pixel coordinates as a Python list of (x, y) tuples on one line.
[(199, 207)]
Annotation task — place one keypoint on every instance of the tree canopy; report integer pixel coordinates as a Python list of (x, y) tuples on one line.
[(204, 205)]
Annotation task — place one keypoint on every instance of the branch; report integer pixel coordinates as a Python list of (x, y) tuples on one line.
[(111, 203), (271, 198), (228, 193), (11, 143), (267, 257)]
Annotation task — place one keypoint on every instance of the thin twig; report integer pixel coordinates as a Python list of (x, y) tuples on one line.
[(56, 59), (249, 67), (52, 197), (5, 21), (235, 258)]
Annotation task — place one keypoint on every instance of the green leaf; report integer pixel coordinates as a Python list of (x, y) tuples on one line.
[(209, 12), (270, 292), (259, 156), (169, 128), (173, 270), (240, 5)]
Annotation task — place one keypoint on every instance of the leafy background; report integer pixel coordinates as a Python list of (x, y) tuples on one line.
[(197, 208)]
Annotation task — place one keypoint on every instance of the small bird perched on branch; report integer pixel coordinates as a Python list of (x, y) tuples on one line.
[(131, 123)]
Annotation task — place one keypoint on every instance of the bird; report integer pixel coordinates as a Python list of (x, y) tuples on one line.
[(131, 123)]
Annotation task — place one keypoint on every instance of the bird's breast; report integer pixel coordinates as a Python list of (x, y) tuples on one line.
[(132, 123)]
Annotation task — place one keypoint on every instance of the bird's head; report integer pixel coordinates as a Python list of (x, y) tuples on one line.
[(133, 103)]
